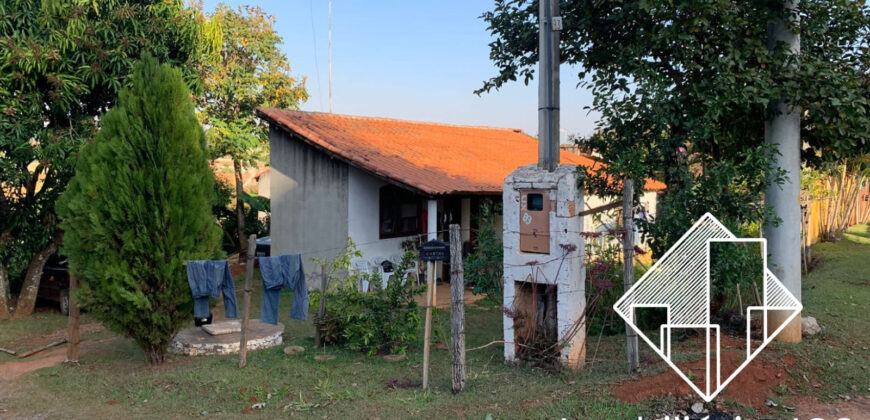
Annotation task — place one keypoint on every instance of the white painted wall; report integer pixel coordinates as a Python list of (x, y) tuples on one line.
[(363, 201), (648, 199), (565, 228)]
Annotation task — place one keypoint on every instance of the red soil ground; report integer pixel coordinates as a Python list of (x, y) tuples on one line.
[(751, 386)]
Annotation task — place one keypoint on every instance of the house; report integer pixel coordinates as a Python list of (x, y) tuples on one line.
[(384, 181)]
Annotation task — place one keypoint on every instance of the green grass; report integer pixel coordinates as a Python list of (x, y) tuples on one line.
[(113, 381), (837, 294)]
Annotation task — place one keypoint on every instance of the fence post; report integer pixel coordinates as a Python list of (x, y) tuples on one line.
[(628, 265), (427, 334), (457, 309), (72, 349), (246, 311), (321, 312)]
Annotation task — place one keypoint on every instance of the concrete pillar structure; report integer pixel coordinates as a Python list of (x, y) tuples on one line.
[(432, 220), (560, 267), (783, 130)]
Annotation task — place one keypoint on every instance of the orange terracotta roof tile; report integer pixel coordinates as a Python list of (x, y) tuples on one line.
[(430, 157)]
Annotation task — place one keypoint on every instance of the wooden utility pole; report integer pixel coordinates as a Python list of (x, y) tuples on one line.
[(321, 312), (427, 334), (457, 309), (628, 265), (72, 349), (246, 311)]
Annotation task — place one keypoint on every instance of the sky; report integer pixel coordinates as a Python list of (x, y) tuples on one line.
[(415, 60)]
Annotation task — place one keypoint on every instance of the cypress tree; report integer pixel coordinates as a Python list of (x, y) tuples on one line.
[(138, 208)]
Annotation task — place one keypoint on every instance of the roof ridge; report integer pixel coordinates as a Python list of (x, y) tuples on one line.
[(365, 117)]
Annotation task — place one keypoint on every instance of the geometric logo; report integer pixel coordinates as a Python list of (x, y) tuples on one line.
[(679, 282)]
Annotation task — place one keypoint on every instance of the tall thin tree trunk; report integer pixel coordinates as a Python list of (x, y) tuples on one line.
[(5, 301), (27, 297), (240, 209)]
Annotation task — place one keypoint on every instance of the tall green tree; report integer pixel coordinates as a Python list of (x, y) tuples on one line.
[(62, 63), (138, 207), (684, 88), (244, 68)]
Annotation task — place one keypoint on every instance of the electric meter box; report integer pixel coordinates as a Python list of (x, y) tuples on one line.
[(544, 249), (534, 213)]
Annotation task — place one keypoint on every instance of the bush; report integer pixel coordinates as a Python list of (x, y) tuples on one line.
[(139, 207), (484, 268), (385, 320)]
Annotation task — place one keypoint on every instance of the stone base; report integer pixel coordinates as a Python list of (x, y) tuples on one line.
[(196, 342)]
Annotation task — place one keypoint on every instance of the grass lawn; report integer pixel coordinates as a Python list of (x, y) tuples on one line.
[(114, 382)]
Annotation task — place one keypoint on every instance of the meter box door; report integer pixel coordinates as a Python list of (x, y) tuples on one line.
[(535, 221)]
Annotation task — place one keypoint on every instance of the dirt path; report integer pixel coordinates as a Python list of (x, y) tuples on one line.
[(53, 357), (13, 369), (856, 408)]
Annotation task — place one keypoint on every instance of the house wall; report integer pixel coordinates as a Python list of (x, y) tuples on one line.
[(363, 222), (309, 193), (648, 199)]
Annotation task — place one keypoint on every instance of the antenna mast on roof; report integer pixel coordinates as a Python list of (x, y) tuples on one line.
[(330, 56)]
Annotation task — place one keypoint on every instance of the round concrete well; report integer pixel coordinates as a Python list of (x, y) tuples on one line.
[(196, 342)]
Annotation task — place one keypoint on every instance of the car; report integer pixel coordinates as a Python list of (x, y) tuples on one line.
[(54, 284)]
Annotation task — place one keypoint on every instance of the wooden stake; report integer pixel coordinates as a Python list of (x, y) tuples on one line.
[(628, 266), (246, 310), (739, 299), (321, 312), (72, 350), (427, 335), (457, 309)]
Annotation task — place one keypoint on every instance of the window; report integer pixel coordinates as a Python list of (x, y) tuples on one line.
[(536, 202), (399, 212)]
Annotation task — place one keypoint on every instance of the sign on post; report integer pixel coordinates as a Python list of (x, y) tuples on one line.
[(435, 250), (431, 252)]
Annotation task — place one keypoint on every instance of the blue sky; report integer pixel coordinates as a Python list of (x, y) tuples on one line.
[(416, 60)]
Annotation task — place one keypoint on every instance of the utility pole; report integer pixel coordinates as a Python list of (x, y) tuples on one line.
[(550, 23), (330, 56), (782, 130)]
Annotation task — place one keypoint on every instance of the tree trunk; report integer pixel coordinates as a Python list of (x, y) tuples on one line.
[(27, 297), (155, 354), (240, 209), (5, 312)]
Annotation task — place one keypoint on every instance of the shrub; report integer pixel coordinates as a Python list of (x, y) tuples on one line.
[(484, 268), (139, 207), (384, 320)]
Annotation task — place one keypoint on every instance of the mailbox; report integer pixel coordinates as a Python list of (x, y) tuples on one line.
[(535, 221)]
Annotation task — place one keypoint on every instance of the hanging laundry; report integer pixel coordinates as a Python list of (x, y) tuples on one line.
[(210, 279), (283, 272)]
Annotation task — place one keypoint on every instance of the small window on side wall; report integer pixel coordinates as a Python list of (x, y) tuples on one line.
[(399, 212), (535, 202)]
